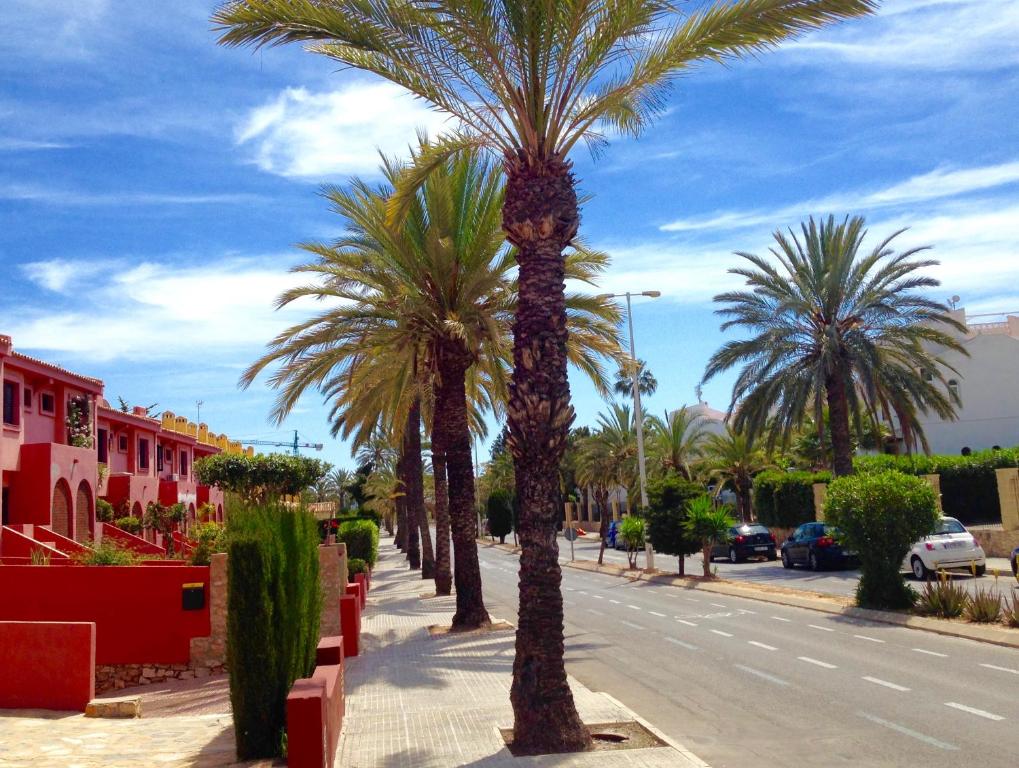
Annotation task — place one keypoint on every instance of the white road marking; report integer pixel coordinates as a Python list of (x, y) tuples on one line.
[(871, 639), (581, 592), (824, 664), (598, 597), (720, 632), (885, 683), (762, 645), (614, 602), (692, 600), (688, 623), (931, 653), (656, 613), (747, 610), (762, 675), (718, 605), (1001, 669), (779, 618), (818, 626), (908, 732), (635, 607), (570, 589), (973, 710), (681, 644), (631, 625), (596, 613)]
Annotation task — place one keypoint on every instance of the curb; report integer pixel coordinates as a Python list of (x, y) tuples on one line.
[(831, 605), (692, 759)]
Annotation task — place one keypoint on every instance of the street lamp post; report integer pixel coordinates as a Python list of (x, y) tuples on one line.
[(638, 415)]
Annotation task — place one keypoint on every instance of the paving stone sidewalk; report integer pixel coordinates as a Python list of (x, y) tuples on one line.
[(424, 701)]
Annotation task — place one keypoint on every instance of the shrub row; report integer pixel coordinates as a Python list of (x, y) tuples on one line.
[(274, 600), (786, 499)]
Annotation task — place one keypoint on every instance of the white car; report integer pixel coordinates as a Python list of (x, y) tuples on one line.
[(950, 546)]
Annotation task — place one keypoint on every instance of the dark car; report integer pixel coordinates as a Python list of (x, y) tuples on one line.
[(746, 540), (816, 545), (1014, 557)]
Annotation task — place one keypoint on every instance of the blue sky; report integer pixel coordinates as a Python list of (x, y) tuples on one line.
[(152, 185)]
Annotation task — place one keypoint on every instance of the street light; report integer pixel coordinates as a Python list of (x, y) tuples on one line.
[(638, 415)]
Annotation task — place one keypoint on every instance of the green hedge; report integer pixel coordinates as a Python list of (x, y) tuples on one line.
[(969, 486), (786, 499), (361, 538), (355, 565), (274, 605)]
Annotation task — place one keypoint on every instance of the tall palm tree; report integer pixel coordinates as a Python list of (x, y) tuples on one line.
[(732, 460), (645, 380), (531, 80), (838, 327), (339, 479), (675, 442)]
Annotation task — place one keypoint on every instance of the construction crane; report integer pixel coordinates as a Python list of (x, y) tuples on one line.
[(294, 445)]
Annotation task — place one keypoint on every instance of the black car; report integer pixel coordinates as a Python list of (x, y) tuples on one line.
[(746, 540), (816, 545), (1015, 562)]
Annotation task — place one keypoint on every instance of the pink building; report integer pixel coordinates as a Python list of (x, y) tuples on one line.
[(62, 447)]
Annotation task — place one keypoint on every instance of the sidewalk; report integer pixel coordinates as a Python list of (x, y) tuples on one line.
[(421, 701)]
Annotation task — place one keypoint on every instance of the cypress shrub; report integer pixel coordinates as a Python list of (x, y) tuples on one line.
[(669, 499), (500, 514), (361, 538), (274, 600)]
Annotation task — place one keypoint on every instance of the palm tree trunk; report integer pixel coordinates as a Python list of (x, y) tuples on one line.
[(410, 519), (838, 424), (601, 499), (401, 523), (443, 575), (540, 217), (451, 413), (706, 552), (416, 487)]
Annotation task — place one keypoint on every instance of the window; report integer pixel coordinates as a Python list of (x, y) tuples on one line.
[(122, 443), (143, 453), (159, 458), (184, 463), (103, 445), (47, 403), (26, 397), (11, 410)]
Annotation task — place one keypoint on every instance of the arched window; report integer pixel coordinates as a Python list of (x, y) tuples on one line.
[(83, 515), (60, 513)]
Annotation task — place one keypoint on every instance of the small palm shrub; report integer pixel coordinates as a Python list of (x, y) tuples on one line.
[(129, 524), (105, 552), (707, 524), (943, 598), (1010, 611), (984, 607), (361, 538), (632, 531), (880, 515)]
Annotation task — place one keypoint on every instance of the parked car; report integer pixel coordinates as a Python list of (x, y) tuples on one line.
[(746, 540), (1014, 557), (950, 546), (817, 546)]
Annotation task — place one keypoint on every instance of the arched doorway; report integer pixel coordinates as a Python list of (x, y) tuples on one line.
[(60, 514), (83, 513), (189, 524)]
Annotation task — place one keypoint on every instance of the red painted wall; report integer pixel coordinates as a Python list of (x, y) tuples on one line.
[(13, 543), (136, 609), (47, 665), (129, 540)]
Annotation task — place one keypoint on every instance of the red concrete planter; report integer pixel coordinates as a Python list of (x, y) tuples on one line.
[(357, 589), (362, 579), (350, 624)]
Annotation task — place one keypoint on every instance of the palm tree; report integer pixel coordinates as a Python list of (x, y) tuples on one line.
[(707, 524), (645, 380), (532, 80), (338, 480), (833, 327), (732, 460), (675, 442)]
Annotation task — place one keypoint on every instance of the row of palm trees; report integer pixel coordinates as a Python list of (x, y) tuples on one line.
[(528, 80)]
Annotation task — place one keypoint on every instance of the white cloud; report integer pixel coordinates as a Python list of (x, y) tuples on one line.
[(939, 183), (923, 34), (49, 30), (56, 196), (338, 132), (10, 144), (155, 310)]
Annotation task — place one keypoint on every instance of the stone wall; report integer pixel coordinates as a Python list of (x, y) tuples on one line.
[(111, 677), (332, 588), (210, 652)]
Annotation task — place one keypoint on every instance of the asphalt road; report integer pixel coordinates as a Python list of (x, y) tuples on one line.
[(749, 684), (836, 582)]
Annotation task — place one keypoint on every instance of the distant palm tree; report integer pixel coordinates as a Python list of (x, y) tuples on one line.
[(645, 380), (675, 442), (338, 480), (707, 524), (732, 460), (837, 328), (532, 81), (606, 460)]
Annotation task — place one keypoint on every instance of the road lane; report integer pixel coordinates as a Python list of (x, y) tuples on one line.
[(726, 677)]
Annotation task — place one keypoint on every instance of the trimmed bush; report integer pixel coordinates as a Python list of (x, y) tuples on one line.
[(361, 538), (500, 514), (668, 500), (274, 600), (881, 515), (104, 511), (129, 524), (355, 565), (786, 499)]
